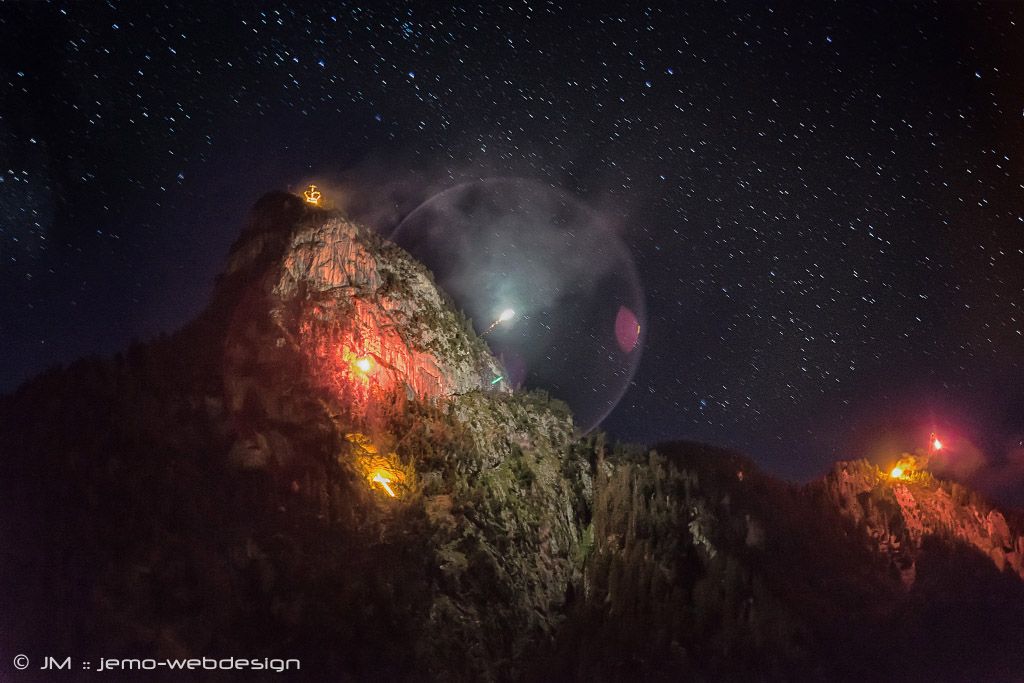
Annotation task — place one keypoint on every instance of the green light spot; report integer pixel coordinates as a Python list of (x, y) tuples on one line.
[(497, 379)]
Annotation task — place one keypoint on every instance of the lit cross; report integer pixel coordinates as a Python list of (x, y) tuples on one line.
[(384, 481)]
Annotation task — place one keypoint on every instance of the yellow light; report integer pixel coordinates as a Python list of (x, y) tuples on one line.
[(936, 444), (364, 365), (312, 195), (897, 472), (384, 481)]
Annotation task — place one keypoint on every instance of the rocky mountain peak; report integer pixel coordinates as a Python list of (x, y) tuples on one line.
[(901, 508), (365, 318)]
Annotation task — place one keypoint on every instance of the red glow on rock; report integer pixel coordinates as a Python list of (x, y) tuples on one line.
[(627, 329), (361, 358)]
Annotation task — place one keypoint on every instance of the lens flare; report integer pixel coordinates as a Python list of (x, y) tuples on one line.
[(559, 266), (627, 329)]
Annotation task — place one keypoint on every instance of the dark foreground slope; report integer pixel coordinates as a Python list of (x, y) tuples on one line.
[(217, 493), (703, 567)]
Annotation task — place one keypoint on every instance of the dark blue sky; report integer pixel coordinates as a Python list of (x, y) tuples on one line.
[(824, 203)]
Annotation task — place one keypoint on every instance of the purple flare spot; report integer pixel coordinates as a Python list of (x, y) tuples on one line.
[(627, 329)]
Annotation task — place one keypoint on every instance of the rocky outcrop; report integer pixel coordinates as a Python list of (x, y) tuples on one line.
[(361, 316), (703, 568), (900, 513), (326, 465)]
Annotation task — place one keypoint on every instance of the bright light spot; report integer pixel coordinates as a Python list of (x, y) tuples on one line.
[(497, 379), (384, 482), (364, 365), (505, 316), (896, 472), (936, 444), (312, 195)]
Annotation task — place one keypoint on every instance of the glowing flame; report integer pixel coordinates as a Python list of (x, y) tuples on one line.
[(312, 195), (363, 365), (384, 481), (896, 473), (379, 469)]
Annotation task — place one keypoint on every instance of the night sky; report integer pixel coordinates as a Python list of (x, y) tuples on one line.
[(825, 203)]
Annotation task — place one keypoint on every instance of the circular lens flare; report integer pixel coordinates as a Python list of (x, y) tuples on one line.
[(579, 310)]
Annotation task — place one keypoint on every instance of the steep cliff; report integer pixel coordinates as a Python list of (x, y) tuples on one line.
[(325, 465)]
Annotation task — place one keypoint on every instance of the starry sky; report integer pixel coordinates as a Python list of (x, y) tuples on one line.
[(825, 202)]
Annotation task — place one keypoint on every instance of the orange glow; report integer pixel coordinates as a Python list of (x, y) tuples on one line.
[(312, 195), (896, 473), (382, 471), (368, 360), (384, 481)]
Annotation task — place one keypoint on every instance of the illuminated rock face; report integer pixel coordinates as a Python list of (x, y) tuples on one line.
[(367, 319), (371, 322), (898, 515), (349, 379)]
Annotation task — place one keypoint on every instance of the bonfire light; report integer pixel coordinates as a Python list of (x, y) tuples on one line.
[(379, 469), (363, 364), (896, 473), (384, 482)]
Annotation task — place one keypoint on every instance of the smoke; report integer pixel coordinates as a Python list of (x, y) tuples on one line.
[(522, 243), (998, 473), (376, 194), (534, 255), (959, 459)]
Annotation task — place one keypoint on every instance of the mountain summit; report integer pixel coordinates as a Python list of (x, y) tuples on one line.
[(328, 466)]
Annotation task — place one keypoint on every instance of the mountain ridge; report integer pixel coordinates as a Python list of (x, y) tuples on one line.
[(327, 464)]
